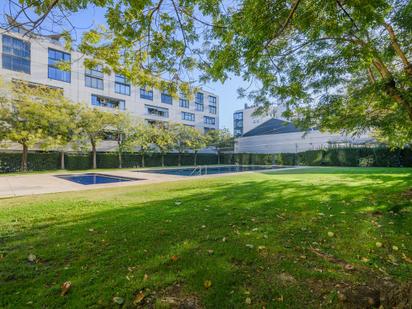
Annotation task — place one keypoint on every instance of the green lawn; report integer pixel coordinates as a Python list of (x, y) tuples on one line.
[(296, 239)]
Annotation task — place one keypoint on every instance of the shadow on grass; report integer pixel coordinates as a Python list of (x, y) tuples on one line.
[(256, 229)]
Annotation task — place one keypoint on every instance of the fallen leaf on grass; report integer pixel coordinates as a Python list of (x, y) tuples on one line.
[(349, 267), (32, 258), (378, 244), (173, 258), (395, 248), (118, 300), (331, 234), (65, 288), (407, 259), (207, 284), (248, 300), (138, 298)]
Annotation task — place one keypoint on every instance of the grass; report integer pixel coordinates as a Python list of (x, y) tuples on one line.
[(253, 237)]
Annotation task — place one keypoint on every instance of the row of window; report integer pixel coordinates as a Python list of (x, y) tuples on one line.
[(16, 57), (150, 110), (238, 124), (164, 112)]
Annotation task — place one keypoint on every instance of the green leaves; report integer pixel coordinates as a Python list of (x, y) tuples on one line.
[(335, 65)]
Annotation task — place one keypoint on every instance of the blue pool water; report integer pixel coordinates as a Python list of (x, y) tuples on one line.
[(93, 179), (205, 170)]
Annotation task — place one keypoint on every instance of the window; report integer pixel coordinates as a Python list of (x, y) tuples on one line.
[(16, 54), (166, 98), (110, 136), (238, 132), (238, 116), (94, 77), (238, 124), (199, 100), (55, 58), (157, 111), (199, 107), (207, 129), (212, 104), (209, 120), (184, 103), (146, 94), (108, 102), (121, 85), (188, 116)]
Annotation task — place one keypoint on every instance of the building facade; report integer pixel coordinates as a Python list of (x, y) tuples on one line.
[(34, 58), (272, 134), (245, 120)]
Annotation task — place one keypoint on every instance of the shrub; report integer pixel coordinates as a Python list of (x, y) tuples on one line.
[(37, 161)]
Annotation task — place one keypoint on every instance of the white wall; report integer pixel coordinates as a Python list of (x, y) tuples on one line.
[(78, 92), (290, 142), (251, 121)]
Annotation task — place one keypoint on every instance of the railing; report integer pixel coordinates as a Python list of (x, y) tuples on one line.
[(199, 168)]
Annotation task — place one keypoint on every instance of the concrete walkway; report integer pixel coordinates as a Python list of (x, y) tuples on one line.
[(21, 185)]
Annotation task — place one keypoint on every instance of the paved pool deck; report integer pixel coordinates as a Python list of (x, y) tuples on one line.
[(33, 184)]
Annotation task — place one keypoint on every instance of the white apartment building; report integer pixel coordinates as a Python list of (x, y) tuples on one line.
[(34, 58), (271, 133), (244, 119)]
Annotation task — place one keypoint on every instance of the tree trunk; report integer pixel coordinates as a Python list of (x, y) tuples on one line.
[(119, 150), (120, 159), (218, 157), (195, 163), (396, 94), (142, 159), (94, 156), (163, 159), (179, 159), (24, 155), (62, 165)]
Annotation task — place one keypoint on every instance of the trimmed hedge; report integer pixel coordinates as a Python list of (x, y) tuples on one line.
[(38, 161), (41, 161), (377, 157)]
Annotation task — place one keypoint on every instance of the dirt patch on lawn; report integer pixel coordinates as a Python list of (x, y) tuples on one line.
[(172, 297), (375, 294)]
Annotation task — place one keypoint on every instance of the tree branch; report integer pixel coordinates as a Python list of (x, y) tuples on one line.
[(398, 50)]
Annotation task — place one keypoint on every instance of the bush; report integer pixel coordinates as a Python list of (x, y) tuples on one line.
[(39, 161)]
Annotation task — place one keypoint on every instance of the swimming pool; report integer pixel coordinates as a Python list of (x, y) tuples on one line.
[(94, 178), (210, 170)]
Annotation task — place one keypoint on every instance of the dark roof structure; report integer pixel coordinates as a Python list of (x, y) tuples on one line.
[(273, 126)]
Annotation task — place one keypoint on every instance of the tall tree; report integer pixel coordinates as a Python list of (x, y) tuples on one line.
[(93, 124), (337, 65), (220, 140), (26, 111), (196, 141), (165, 140), (183, 135), (123, 128), (63, 129), (143, 137)]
